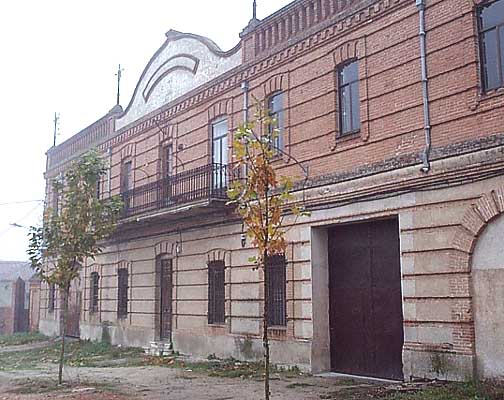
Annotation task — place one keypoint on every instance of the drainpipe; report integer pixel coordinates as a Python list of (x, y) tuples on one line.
[(425, 88)]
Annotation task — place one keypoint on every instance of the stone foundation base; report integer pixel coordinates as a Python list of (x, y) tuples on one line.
[(49, 327), (437, 365), (292, 353), (116, 334)]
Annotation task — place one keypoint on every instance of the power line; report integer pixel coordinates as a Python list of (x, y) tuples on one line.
[(21, 202)]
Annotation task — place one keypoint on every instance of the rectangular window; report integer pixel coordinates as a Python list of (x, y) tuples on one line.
[(277, 301), (349, 99), (491, 31), (216, 292), (168, 160), (126, 176), (122, 293), (276, 110), (52, 297), (94, 291), (219, 153)]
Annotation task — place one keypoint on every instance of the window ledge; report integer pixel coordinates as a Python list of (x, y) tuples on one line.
[(347, 137), (492, 93)]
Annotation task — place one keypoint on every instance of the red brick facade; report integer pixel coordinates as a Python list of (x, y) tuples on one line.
[(298, 51)]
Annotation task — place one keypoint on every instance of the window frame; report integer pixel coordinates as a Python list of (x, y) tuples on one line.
[(51, 300), (126, 176), (168, 160), (481, 47), (216, 292), (339, 70), (122, 292), (94, 292), (277, 295), (273, 114)]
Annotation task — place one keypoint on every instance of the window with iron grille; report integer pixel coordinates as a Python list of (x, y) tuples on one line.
[(491, 32), (349, 98), (122, 293), (276, 112), (216, 292), (277, 301), (95, 285), (52, 297)]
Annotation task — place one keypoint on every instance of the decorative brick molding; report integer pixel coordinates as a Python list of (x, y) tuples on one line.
[(348, 51), (123, 264), (164, 248), (276, 83), (217, 255), (167, 132), (474, 221), (128, 151), (220, 108)]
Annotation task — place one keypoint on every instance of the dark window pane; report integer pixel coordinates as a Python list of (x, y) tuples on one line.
[(345, 110), (122, 293), (349, 73), (492, 14), (355, 106), (490, 59), (95, 279), (277, 301), (216, 292), (501, 45)]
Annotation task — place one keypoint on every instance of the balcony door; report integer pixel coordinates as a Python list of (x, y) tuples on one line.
[(219, 153)]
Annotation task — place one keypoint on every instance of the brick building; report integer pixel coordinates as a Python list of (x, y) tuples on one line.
[(396, 109)]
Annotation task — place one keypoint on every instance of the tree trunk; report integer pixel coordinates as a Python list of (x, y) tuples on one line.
[(265, 330), (63, 320)]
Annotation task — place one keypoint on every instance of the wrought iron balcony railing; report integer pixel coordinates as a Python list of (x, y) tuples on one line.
[(208, 182)]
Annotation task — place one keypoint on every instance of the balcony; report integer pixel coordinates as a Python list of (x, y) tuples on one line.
[(188, 190)]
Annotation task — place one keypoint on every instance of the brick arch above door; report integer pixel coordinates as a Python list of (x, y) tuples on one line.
[(476, 218)]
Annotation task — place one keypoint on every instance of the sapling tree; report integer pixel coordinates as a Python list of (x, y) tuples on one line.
[(72, 232), (263, 199)]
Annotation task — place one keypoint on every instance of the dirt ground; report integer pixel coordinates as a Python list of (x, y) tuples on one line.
[(164, 383)]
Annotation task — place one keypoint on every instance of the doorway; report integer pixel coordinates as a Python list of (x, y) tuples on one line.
[(166, 297), (365, 299)]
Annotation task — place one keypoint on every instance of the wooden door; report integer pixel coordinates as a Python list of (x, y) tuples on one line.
[(365, 306), (166, 299)]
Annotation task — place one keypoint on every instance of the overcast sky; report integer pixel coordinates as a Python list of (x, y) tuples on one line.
[(62, 55)]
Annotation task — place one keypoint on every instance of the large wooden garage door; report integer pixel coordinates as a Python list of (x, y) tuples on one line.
[(365, 306)]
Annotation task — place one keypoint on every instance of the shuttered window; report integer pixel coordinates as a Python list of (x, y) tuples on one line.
[(122, 293), (216, 292), (95, 284), (277, 301)]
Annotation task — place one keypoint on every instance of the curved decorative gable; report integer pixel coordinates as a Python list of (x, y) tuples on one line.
[(184, 62)]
